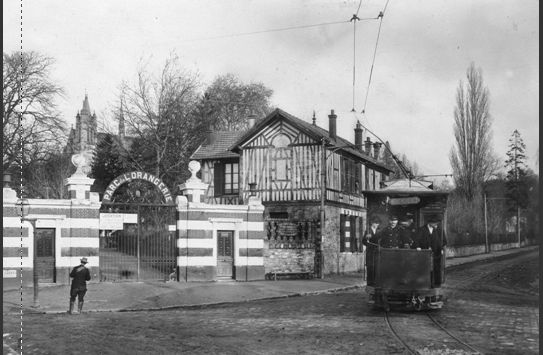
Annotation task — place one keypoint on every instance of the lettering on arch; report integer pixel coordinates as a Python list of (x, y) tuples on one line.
[(137, 175)]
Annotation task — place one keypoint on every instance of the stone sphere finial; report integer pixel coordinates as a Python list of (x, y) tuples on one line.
[(194, 167)]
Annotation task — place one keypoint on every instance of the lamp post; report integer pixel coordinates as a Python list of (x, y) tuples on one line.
[(24, 209)]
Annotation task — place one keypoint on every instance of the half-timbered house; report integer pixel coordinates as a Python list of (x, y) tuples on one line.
[(310, 181)]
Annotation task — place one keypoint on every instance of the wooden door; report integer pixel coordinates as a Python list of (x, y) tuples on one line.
[(45, 254), (225, 256)]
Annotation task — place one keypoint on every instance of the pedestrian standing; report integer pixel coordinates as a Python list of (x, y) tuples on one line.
[(80, 275)]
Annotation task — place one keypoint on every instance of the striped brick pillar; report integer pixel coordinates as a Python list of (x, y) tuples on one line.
[(249, 263), (70, 229), (200, 229), (16, 244)]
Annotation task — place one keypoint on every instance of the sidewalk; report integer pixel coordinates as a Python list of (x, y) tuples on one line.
[(133, 296)]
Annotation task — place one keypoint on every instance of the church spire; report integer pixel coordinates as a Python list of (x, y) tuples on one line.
[(86, 106)]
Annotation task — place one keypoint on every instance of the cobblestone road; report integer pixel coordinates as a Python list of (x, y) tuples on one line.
[(492, 305)]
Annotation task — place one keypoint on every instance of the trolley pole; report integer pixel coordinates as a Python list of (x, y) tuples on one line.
[(138, 243), (487, 249)]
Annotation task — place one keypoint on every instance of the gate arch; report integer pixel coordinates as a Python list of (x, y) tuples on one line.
[(138, 240), (137, 175)]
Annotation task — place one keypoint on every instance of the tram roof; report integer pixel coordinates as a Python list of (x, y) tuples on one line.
[(404, 187)]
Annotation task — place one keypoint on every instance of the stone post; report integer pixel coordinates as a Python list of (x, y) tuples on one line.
[(79, 183), (194, 189)]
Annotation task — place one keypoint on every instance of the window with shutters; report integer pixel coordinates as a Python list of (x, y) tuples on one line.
[(231, 178), (348, 175), (350, 232), (367, 178), (225, 178), (342, 221), (357, 178), (353, 234)]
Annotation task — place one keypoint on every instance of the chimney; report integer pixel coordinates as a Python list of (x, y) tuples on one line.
[(332, 125), (367, 146), (376, 149), (314, 119), (210, 135), (251, 120), (358, 136)]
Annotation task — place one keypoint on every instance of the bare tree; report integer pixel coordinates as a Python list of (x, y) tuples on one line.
[(31, 123), (159, 112), (46, 178), (472, 159)]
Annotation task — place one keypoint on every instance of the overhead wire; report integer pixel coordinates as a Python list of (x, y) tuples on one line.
[(273, 30), (381, 15)]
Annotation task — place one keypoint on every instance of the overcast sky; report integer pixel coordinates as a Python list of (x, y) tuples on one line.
[(424, 50)]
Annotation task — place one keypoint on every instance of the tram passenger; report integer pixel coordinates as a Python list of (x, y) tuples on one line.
[(371, 236), (407, 231), (389, 237), (372, 231), (432, 237)]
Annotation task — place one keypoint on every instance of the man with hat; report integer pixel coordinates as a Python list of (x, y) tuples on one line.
[(80, 275), (432, 237), (389, 237), (407, 232), (373, 231), (370, 239)]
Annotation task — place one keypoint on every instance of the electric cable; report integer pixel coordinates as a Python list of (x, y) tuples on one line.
[(381, 15), (272, 30)]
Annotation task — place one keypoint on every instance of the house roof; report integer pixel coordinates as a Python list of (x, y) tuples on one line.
[(218, 146), (313, 131)]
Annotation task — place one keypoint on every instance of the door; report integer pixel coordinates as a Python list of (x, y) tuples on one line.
[(45, 254), (225, 255)]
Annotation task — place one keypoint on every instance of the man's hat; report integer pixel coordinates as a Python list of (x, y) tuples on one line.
[(375, 219), (84, 260), (393, 217), (434, 219)]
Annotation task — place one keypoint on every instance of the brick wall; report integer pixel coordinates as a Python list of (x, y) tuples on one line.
[(197, 226), (75, 226)]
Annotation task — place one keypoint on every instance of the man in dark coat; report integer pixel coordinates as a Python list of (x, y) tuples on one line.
[(80, 275), (407, 231), (372, 231), (389, 237), (431, 236), (370, 257)]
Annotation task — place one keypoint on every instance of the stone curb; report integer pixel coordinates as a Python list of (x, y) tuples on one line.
[(211, 304)]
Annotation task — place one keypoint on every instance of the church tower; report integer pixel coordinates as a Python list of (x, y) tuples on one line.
[(84, 136)]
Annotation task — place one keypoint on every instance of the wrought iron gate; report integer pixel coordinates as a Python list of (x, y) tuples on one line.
[(145, 248)]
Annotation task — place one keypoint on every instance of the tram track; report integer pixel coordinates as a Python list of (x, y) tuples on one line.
[(421, 333)]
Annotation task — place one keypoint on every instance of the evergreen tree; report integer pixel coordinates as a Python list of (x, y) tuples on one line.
[(108, 163), (516, 180)]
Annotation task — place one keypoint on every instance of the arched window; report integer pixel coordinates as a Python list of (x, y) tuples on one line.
[(281, 157)]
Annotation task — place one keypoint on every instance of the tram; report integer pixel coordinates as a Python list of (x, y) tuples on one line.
[(406, 278)]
